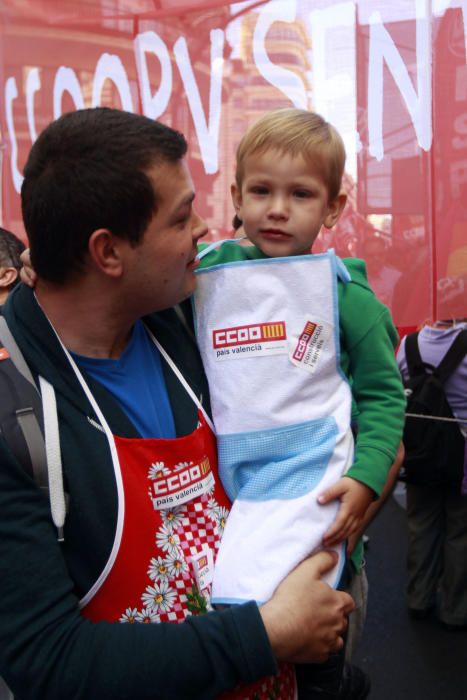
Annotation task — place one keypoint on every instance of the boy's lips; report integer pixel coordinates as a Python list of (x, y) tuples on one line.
[(274, 233)]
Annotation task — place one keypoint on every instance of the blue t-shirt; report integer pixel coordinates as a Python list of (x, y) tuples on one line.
[(136, 380)]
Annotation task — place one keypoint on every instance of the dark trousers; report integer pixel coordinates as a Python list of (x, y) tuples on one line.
[(437, 551), (323, 681)]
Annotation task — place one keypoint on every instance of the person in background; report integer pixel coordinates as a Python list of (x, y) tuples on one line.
[(286, 348), (381, 276), (437, 514), (10, 264)]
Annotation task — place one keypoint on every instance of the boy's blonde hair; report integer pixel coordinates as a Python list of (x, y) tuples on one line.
[(296, 132)]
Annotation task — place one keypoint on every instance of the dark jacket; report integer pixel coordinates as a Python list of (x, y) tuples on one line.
[(48, 651)]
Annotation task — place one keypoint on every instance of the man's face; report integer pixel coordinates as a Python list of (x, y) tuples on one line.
[(161, 268)]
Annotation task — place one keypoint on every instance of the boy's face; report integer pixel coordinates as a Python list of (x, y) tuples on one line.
[(283, 202)]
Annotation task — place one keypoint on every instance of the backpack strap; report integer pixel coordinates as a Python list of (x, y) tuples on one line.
[(415, 364), (453, 357), (24, 411)]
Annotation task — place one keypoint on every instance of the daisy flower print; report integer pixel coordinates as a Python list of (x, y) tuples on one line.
[(159, 598), (157, 470), (167, 539), (147, 616), (158, 569)]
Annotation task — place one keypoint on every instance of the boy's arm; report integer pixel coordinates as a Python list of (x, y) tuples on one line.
[(368, 339), (376, 506), (378, 395)]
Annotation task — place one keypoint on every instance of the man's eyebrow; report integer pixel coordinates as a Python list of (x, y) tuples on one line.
[(185, 201)]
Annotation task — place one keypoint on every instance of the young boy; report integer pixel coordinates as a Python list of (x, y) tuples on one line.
[(289, 341)]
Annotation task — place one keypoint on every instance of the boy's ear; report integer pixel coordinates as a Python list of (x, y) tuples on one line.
[(335, 209), (236, 193), (105, 251)]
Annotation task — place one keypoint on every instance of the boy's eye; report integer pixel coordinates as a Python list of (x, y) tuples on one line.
[(258, 189), (302, 194)]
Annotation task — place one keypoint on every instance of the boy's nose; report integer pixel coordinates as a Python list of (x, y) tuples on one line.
[(279, 207)]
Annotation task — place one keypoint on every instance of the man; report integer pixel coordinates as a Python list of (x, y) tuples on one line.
[(108, 207), (10, 264)]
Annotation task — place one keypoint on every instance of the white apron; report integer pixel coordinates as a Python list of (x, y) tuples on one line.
[(268, 332)]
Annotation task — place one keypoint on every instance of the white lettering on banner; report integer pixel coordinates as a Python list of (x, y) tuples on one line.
[(182, 486), (290, 84), (66, 80), (382, 52), (33, 84), (333, 29), (11, 93), (207, 130), (458, 172), (383, 49), (111, 67), (150, 42)]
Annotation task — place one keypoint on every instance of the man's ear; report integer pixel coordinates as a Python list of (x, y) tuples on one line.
[(335, 209), (105, 251), (236, 194), (8, 275)]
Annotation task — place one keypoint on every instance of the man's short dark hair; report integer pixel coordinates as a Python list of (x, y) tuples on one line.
[(88, 170), (10, 249)]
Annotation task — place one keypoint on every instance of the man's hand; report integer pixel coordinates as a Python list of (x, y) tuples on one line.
[(27, 274), (305, 618), (355, 498)]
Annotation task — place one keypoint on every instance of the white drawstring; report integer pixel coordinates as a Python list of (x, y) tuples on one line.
[(54, 457)]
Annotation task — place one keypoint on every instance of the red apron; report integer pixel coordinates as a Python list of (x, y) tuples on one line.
[(171, 514)]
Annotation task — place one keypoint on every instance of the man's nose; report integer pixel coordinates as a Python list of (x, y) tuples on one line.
[(200, 227)]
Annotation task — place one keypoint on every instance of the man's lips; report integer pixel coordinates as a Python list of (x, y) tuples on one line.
[(193, 263)]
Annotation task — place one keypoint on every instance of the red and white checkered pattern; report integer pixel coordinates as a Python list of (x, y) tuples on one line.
[(196, 531), (280, 687)]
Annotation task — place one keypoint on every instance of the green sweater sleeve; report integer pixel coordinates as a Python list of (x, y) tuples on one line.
[(368, 339)]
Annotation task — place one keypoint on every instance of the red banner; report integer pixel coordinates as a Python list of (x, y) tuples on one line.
[(393, 80)]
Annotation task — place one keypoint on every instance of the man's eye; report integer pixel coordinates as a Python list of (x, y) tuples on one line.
[(182, 220)]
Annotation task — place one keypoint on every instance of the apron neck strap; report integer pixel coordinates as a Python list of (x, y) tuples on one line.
[(217, 244), (181, 379)]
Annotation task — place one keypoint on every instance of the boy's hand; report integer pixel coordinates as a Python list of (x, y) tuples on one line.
[(355, 498)]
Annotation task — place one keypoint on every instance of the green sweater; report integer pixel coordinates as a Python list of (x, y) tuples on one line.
[(367, 342)]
